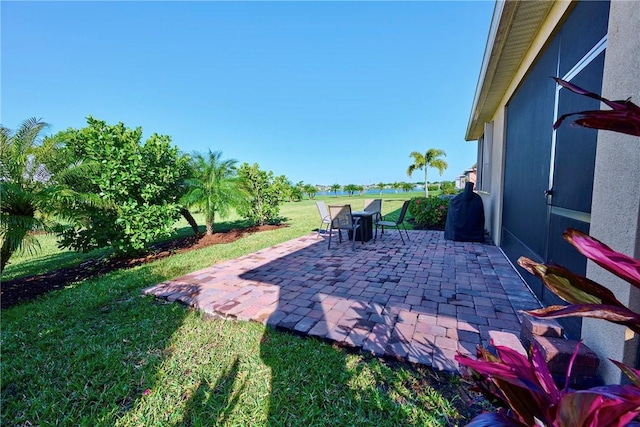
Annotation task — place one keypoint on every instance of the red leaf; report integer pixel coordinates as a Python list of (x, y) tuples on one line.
[(580, 91), (571, 287), (518, 383), (543, 374), (624, 116), (621, 265), (608, 120), (620, 315), (611, 405), (570, 367), (632, 373)]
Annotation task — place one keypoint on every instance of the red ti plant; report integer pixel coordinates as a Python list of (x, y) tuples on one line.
[(587, 298), (624, 116), (525, 385)]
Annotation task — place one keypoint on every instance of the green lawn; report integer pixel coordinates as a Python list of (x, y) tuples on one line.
[(100, 353)]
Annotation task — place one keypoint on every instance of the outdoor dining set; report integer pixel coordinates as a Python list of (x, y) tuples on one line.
[(359, 224)]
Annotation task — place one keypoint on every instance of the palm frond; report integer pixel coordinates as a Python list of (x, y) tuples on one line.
[(15, 229), (439, 164), (18, 147)]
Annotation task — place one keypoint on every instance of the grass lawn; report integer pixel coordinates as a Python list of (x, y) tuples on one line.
[(100, 353)]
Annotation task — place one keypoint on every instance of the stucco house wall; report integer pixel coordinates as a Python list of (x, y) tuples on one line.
[(615, 209)]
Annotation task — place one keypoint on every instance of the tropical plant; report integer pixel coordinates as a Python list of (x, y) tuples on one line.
[(214, 187), (429, 212), (381, 186), (624, 116), (293, 192), (140, 183), (431, 159), (526, 387), (335, 188), (587, 298), (448, 187), (433, 187), (350, 189), (34, 190), (262, 204), (406, 186), (286, 189), (311, 191)]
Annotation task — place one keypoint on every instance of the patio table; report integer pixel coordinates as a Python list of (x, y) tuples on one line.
[(365, 232)]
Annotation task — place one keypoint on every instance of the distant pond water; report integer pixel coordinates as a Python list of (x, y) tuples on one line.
[(371, 191)]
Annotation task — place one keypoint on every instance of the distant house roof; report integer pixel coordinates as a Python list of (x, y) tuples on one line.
[(513, 28)]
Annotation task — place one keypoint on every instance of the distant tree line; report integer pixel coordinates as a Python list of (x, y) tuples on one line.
[(352, 189)]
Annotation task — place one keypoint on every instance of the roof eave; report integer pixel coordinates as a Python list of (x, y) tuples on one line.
[(514, 26)]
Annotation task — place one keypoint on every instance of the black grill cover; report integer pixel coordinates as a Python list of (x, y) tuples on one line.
[(465, 219)]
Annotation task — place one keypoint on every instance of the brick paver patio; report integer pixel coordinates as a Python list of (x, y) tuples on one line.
[(421, 302)]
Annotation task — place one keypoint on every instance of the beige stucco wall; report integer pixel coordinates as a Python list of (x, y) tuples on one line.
[(492, 199), (615, 211)]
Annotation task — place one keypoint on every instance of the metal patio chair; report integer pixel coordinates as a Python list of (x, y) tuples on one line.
[(386, 222), (374, 205), (325, 218), (341, 219)]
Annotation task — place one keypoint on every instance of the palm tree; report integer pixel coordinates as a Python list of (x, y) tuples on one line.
[(407, 186), (311, 191), (350, 189), (335, 188), (34, 173), (432, 158), (214, 188), (381, 186)]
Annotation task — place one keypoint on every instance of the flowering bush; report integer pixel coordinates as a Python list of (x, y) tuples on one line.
[(429, 212)]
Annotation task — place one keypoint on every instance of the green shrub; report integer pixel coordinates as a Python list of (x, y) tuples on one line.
[(429, 212), (449, 187)]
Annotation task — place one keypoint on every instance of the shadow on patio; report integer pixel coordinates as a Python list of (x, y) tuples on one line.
[(421, 302)]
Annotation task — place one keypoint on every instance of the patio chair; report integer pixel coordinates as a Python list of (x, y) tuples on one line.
[(325, 219), (374, 205), (341, 219), (386, 222)]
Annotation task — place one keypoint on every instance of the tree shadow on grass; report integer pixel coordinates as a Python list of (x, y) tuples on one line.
[(88, 351), (316, 383), (212, 405)]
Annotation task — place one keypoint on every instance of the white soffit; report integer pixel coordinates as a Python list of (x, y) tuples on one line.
[(514, 26)]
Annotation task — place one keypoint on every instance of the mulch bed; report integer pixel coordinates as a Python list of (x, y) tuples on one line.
[(27, 288)]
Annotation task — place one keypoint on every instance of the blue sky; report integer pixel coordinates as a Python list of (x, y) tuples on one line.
[(322, 92)]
